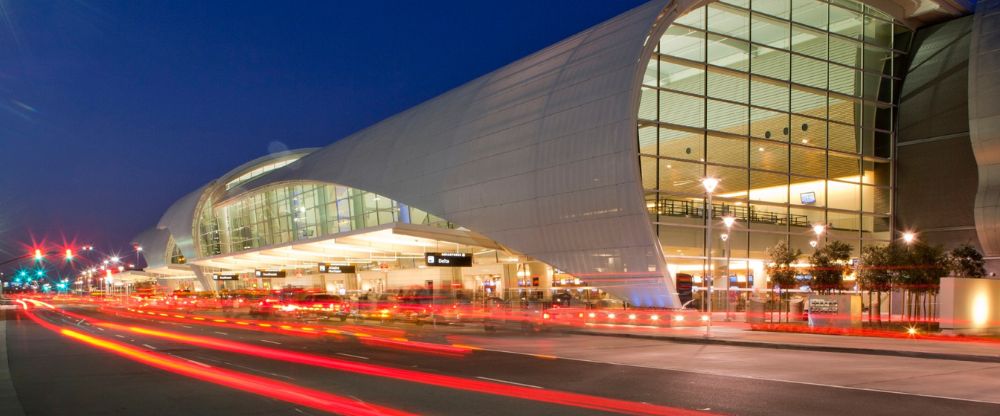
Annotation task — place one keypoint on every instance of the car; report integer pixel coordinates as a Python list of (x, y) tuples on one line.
[(317, 305), (266, 306)]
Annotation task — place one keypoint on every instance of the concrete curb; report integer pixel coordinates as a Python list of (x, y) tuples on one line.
[(10, 405), (800, 347)]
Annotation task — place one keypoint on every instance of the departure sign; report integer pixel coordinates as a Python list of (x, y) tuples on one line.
[(269, 273), (448, 259), (225, 276), (336, 268)]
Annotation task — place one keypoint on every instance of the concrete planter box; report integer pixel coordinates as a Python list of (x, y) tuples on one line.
[(834, 311), (969, 305)]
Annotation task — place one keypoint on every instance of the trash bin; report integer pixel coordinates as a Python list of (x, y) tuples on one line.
[(755, 310), (796, 309)]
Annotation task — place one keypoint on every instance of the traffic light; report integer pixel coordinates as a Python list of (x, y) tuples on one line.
[(69, 254), (38, 255)]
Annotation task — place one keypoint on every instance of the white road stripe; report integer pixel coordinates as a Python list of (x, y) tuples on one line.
[(199, 363), (120, 336), (352, 355), (100, 328), (509, 382), (149, 346), (221, 333), (270, 342)]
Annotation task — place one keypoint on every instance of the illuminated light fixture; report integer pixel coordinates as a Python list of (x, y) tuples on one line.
[(591, 315), (679, 318), (704, 318), (655, 317), (760, 149), (728, 221), (611, 316), (38, 255), (545, 316), (631, 316), (819, 229), (909, 237), (69, 254), (710, 183), (812, 243), (911, 330), (115, 259)]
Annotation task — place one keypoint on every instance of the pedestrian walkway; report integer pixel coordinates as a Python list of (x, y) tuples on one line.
[(740, 334), (10, 405)]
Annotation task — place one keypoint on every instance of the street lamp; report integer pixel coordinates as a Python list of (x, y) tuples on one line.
[(818, 229), (909, 237), (709, 183)]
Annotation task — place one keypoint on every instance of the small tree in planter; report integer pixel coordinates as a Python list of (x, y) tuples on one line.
[(829, 265), (780, 269), (930, 264), (879, 269), (966, 261)]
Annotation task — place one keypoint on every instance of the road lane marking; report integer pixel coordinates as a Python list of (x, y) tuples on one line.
[(185, 326), (221, 333), (149, 346), (270, 342), (100, 328), (352, 355), (120, 336), (510, 382)]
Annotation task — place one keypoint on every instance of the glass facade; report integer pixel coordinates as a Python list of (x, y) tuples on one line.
[(303, 211), (790, 104), (260, 170)]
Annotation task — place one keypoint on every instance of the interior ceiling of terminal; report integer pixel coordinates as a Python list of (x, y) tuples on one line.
[(385, 245)]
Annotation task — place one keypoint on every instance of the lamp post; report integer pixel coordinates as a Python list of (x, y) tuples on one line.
[(709, 183), (909, 237), (818, 229)]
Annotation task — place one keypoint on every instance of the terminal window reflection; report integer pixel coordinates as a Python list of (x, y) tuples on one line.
[(778, 99)]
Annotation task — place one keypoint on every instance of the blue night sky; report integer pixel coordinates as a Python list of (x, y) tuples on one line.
[(110, 111)]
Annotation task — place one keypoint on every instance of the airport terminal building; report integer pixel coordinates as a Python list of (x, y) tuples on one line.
[(579, 169)]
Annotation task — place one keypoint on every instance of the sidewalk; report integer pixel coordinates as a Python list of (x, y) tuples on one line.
[(740, 334), (10, 405)]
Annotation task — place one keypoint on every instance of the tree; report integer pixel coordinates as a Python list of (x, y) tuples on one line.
[(966, 261), (829, 265), (928, 264), (880, 268), (780, 269)]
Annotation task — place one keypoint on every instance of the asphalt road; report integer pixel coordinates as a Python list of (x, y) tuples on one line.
[(55, 375)]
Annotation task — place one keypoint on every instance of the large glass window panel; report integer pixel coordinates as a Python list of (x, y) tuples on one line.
[(768, 124), (776, 8), (844, 167), (769, 62), (875, 224), (811, 13), (647, 104), (652, 74), (846, 23), (842, 221), (682, 109), (809, 72), (769, 155), (843, 138), (726, 117), (843, 110), (769, 94), (681, 178), (694, 18), (809, 102), (683, 43), (808, 162), (727, 150), (876, 199), (647, 140), (844, 195), (682, 77), (733, 182), (845, 51), (808, 131), (682, 144), (801, 220), (809, 42), (846, 81), (728, 85), (769, 187), (728, 52), (807, 191), (729, 21)]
